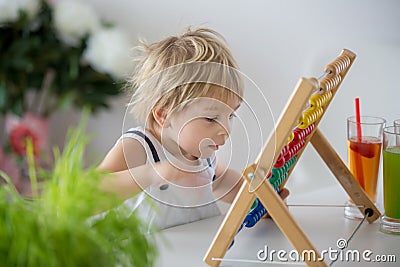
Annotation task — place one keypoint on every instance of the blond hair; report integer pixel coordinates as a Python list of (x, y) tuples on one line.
[(178, 69)]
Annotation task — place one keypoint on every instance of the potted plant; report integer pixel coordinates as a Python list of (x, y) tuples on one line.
[(56, 228), (53, 56)]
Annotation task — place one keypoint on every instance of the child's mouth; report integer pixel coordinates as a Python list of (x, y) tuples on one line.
[(214, 147)]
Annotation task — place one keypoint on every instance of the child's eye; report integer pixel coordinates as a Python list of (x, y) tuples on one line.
[(211, 119)]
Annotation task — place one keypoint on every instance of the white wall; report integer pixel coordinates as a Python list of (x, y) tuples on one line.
[(276, 43)]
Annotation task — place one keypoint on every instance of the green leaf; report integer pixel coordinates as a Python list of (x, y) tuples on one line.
[(29, 48), (65, 101), (57, 227), (74, 66), (17, 107), (3, 97)]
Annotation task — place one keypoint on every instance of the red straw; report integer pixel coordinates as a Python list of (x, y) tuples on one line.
[(358, 119)]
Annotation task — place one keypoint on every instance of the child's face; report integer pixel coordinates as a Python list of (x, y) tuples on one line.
[(203, 125)]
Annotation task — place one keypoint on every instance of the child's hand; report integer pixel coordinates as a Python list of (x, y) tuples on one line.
[(284, 193)]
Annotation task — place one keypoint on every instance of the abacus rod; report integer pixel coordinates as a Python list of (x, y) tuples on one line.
[(259, 261), (325, 205), (324, 75), (351, 236), (356, 229)]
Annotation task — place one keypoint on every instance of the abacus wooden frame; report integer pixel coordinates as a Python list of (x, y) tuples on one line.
[(258, 187)]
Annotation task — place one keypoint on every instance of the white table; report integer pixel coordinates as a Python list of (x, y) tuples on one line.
[(186, 245)]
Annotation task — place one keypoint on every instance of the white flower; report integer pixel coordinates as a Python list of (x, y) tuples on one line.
[(74, 20), (109, 51), (10, 9)]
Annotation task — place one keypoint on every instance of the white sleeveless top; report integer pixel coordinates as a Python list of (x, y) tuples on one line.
[(170, 204)]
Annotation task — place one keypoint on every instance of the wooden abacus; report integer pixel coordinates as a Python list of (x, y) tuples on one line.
[(296, 127)]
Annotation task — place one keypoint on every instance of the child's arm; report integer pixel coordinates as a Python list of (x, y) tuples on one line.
[(227, 183), (126, 162), (127, 153), (129, 173), (129, 182)]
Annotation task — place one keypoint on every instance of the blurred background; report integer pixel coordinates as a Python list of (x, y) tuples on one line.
[(275, 43)]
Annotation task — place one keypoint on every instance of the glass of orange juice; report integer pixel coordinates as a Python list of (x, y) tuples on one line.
[(364, 145)]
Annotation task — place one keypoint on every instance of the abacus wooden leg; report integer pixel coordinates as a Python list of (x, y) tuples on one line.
[(344, 176), (280, 214), (229, 227)]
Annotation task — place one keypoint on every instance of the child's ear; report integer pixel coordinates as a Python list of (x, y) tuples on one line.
[(160, 117)]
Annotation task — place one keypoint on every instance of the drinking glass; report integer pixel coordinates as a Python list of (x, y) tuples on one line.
[(364, 143), (396, 123), (390, 221)]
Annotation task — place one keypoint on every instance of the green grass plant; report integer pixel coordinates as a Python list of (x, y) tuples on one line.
[(54, 227)]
